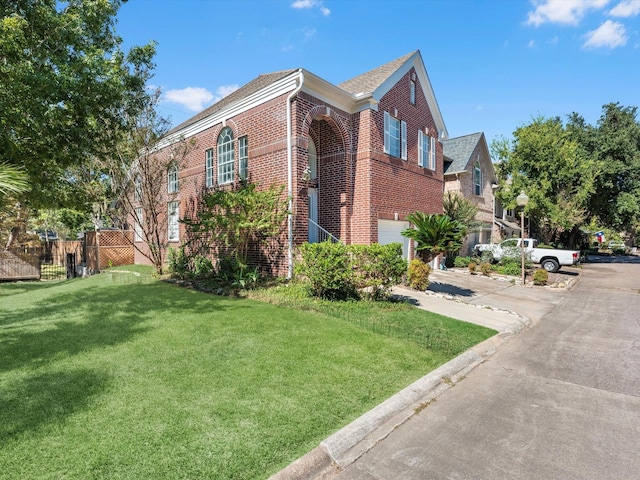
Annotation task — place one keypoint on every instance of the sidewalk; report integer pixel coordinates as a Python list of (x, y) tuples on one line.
[(483, 301)]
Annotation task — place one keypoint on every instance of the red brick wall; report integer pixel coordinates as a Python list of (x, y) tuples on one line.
[(358, 183)]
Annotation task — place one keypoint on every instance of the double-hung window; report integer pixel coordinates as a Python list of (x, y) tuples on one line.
[(172, 222), (477, 179), (137, 188), (426, 151), (225, 156), (395, 136), (138, 224), (243, 157), (172, 178), (432, 153), (208, 167)]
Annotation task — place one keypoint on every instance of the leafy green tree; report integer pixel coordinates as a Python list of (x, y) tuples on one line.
[(462, 210), (131, 179), (434, 234), (230, 221), (615, 144), (548, 163), (65, 85)]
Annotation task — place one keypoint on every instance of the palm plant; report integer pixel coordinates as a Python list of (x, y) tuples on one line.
[(12, 180), (434, 234)]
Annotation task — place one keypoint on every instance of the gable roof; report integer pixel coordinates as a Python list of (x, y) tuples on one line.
[(377, 82), (258, 83), (457, 152), (361, 92), (368, 82)]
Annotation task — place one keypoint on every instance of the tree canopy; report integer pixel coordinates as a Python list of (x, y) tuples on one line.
[(573, 173), (65, 87)]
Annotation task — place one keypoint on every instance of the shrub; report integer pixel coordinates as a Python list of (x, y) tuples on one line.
[(418, 274), (326, 267), (202, 267), (376, 267), (485, 268), (540, 277), (509, 268), (336, 271), (178, 263), (461, 262), (472, 268)]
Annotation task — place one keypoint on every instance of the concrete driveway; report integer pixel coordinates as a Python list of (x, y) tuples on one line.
[(559, 401)]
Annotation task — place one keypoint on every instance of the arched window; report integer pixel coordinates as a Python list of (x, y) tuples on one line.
[(477, 179), (172, 178), (225, 156)]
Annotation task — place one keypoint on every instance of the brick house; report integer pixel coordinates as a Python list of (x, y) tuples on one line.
[(468, 170), (356, 158)]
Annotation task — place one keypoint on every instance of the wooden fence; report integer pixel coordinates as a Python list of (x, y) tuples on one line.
[(108, 248)]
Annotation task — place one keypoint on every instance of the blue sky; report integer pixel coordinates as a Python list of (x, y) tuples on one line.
[(493, 64)]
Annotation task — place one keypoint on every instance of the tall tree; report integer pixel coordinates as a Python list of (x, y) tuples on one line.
[(615, 143), (547, 162), (138, 179), (64, 82)]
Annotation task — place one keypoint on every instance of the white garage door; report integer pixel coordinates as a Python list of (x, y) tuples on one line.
[(389, 232)]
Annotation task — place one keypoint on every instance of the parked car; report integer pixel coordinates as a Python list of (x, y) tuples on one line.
[(550, 259)]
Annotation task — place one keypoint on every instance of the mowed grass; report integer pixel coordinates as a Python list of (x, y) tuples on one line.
[(120, 376)]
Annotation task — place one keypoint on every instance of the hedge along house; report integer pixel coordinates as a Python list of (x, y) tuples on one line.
[(356, 158)]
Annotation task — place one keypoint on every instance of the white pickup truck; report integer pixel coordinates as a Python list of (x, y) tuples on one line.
[(548, 258)]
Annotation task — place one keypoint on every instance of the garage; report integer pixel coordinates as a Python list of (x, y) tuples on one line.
[(389, 231)]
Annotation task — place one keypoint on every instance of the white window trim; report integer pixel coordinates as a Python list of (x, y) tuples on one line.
[(432, 153), (477, 185), (172, 178), (426, 159), (243, 157), (138, 224), (137, 188), (208, 168), (173, 225), (401, 139), (226, 158)]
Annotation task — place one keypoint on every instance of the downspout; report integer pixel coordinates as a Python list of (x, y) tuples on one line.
[(290, 174)]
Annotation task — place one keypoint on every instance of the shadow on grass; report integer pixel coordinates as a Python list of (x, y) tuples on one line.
[(42, 399), (71, 322)]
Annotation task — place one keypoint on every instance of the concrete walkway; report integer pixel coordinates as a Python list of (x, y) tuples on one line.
[(503, 306)]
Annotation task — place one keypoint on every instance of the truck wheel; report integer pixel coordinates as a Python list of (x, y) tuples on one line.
[(550, 265)]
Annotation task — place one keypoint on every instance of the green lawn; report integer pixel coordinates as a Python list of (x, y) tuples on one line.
[(119, 376)]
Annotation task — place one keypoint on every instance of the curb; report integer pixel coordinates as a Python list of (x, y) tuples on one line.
[(345, 446)]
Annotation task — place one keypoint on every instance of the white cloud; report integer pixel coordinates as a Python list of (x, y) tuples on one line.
[(531, 44), (626, 8), (225, 90), (567, 12), (193, 98), (198, 98), (301, 4), (608, 35), (308, 33)]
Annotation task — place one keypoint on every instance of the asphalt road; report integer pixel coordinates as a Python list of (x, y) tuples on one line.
[(560, 401)]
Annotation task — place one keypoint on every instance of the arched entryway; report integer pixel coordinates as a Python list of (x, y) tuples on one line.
[(328, 187)]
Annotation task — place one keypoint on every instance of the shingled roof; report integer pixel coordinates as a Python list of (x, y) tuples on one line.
[(369, 81), (457, 152), (253, 86)]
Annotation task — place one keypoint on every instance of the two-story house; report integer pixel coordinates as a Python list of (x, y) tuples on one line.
[(356, 158), (469, 172)]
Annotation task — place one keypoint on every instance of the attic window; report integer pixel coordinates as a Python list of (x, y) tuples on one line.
[(412, 93), (477, 179)]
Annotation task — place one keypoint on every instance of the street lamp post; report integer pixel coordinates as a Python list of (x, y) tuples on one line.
[(522, 201)]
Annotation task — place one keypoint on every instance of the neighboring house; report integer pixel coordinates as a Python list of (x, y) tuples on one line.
[(468, 170), (356, 158)]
